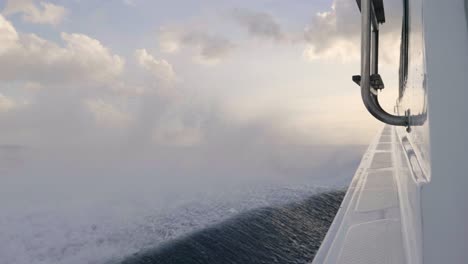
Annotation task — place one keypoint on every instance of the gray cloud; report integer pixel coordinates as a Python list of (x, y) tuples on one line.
[(209, 48), (331, 34), (259, 24)]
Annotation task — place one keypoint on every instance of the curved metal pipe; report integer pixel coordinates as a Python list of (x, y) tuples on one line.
[(368, 94)]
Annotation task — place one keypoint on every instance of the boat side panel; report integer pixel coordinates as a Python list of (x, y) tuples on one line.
[(445, 200), (414, 97)]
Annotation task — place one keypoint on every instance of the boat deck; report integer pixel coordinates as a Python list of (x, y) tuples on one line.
[(379, 220)]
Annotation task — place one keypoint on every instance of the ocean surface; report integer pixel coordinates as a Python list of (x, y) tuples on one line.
[(268, 224), (290, 233), (175, 207)]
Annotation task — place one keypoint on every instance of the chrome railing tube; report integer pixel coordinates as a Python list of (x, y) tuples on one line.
[(369, 94)]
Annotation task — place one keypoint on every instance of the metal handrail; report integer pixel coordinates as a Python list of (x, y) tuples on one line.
[(368, 93)]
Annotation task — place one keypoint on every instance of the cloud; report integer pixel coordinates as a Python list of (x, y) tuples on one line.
[(44, 13), (176, 133), (27, 57), (160, 69), (32, 86), (10, 104), (6, 103), (335, 33), (331, 35), (259, 24), (209, 48), (129, 2), (8, 35), (107, 114), (340, 49)]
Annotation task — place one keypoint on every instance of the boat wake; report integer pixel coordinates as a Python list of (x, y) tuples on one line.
[(290, 233)]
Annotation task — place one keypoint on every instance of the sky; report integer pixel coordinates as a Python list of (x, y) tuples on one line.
[(183, 93), (175, 73), (123, 105)]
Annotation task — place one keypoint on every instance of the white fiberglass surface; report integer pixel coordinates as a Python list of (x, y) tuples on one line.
[(380, 218), (444, 200)]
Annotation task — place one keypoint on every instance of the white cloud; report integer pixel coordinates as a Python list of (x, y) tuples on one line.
[(160, 69), (107, 114), (335, 34), (208, 48), (27, 57), (343, 50), (170, 40), (8, 35), (42, 13)]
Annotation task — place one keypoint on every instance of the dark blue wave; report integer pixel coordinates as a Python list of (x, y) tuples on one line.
[(287, 234)]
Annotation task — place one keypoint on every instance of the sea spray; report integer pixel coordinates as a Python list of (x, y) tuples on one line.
[(290, 233)]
